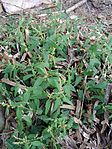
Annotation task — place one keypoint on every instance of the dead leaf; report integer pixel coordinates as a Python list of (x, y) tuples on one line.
[(69, 143), (89, 130), (98, 139), (27, 53), (105, 123), (2, 118), (78, 134), (85, 135), (8, 57), (77, 121), (69, 107), (26, 35), (78, 108), (23, 57), (94, 113)]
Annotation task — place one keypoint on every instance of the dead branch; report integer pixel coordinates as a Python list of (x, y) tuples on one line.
[(68, 10), (76, 6), (65, 106), (108, 92)]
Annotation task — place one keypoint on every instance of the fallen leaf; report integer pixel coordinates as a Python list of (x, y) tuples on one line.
[(2, 119), (23, 57), (78, 108), (94, 113), (69, 107), (77, 121)]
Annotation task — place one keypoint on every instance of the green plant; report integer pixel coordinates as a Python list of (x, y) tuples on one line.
[(53, 75)]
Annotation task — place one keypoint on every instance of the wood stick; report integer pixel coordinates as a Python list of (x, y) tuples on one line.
[(76, 6), (7, 81), (65, 106), (108, 92), (68, 10)]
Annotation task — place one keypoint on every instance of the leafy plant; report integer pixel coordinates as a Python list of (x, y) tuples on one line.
[(52, 76)]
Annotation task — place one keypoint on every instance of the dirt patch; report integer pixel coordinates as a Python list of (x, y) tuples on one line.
[(90, 7), (101, 5), (97, 8)]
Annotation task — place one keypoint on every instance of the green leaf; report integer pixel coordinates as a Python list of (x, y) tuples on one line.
[(54, 81), (44, 85), (37, 144), (9, 145), (72, 88), (78, 80), (93, 48), (47, 106), (37, 90), (27, 70), (20, 126), (26, 146), (110, 58), (56, 113), (19, 113), (41, 71), (80, 94), (27, 77), (28, 120), (67, 90), (56, 105), (46, 58), (67, 100), (109, 106), (75, 126), (26, 96), (38, 81), (16, 88), (94, 61), (101, 85)]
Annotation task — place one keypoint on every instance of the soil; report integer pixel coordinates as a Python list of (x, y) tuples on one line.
[(102, 5), (91, 7), (101, 9)]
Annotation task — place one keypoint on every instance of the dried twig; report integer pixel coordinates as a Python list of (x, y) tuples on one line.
[(83, 96), (68, 10), (7, 81), (108, 91), (65, 106), (76, 6)]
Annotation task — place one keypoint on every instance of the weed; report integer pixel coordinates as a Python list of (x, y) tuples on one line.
[(59, 62)]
